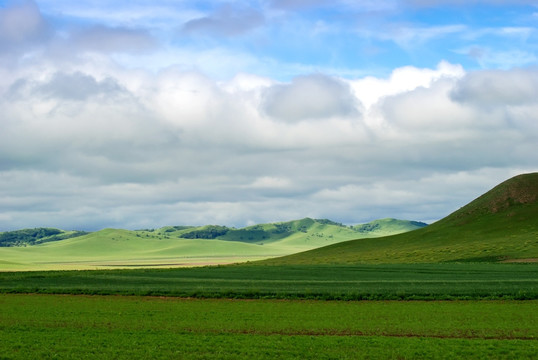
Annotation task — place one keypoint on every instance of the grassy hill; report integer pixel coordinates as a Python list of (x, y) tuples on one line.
[(501, 225), (111, 248), (182, 245), (306, 232), (35, 236)]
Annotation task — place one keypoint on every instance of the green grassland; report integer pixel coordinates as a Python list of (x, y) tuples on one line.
[(325, 282), (177, 245), (51, 326), (467, 302), (111, 248), (501, 225)]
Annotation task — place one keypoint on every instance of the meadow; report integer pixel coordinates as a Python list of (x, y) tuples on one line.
[(441, 292), (177, 246), (126, 327), (327, 282)]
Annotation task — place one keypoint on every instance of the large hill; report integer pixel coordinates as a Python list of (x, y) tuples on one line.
[(45, 248), (500, 225)]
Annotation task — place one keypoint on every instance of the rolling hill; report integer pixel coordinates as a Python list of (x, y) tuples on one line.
[(169, 246), (500, 225)]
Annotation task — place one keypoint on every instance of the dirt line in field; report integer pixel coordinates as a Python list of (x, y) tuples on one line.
[(358, 333)]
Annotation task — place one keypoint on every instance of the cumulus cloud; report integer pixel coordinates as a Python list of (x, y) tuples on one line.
[(108, 119), (96, 147), (494, 87), (404, 79), (310, 97), (77, 86)]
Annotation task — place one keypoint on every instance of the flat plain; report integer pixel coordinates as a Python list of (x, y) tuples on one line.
[(126, 327), (326, 282)]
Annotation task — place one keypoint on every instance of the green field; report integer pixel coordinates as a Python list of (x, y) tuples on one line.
[(53, 327), (336, 282), (445, 291)]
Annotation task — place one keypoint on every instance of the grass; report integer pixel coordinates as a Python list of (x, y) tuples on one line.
[(52, 326), (111, 248), (498, 226), (356, 282), (198, 315), (165, 247)]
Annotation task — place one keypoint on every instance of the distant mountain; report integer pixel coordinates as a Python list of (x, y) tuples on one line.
[(500, 225)]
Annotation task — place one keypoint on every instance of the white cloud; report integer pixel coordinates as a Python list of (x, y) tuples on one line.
[(493, 87), (371, 89), (310, 97), (268, 182), (99, 146)]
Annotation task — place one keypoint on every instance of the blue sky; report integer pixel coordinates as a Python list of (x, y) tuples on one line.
[(282, 39), (149, 113)]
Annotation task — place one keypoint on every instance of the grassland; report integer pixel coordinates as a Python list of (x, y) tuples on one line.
[(110, 248), (52, 326), (328, 282), (176, 246), (200, 313)]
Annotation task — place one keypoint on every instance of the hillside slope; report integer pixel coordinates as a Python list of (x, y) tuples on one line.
[(113, 248), (305, 232), (500, 225)]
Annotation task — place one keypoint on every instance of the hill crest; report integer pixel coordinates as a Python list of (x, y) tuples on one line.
[(519, 190)]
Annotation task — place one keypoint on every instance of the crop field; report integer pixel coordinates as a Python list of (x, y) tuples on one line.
[(126, 327), (461, 310), (336, 282)]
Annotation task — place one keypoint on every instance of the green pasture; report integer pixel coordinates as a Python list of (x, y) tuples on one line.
[(60, 327), (112, 248), (169, 247), (337, 282)]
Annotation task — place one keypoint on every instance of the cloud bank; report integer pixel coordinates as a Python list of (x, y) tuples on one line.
[(88, 150), (92, 137)]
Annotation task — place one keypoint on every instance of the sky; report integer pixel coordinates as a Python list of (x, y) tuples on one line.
[(140, 114)]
